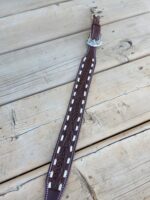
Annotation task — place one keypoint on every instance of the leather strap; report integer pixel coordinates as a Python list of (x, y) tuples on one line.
[(65, 148)]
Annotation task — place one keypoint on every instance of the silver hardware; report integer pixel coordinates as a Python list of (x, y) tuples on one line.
[(95, 11), (94, 43)]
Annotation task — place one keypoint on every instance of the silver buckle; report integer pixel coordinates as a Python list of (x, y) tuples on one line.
[(94, 43)]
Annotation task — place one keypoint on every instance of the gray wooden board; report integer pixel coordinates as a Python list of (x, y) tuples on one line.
[(35, 69), (48, 23), (119, 99), (33, 56), (11, 7), (115, 169)]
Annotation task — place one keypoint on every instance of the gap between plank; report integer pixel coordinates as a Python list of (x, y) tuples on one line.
[(32, 9), (86, 147), (71, 34), (68, 82)]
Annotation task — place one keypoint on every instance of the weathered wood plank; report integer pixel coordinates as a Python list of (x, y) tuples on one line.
[(34, 69), (117, 168), (41, 25), (29, 127), (10, 7)]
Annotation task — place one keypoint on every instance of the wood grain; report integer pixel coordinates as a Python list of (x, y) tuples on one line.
[(41, 44), (29, 127), (48, 23), (11, 7), (38, 68), (117, 168)]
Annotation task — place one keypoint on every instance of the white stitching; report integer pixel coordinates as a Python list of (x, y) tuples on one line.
[(60, 187), (84, 59), (83, 102), (77, 127), (84, 93), (49, 185), (68, 117), (90, 71), (62, 137), (72, 101), (86, 86), (58, 150), (71, 148), (88, 78), (68, 160), (76, 86), (80, 72), (82, 66), (65, 174), (74, 94), (78, 119), (51, 174), (70, 109), (55, 161), (74, 138), (65, 127), (81, 110)]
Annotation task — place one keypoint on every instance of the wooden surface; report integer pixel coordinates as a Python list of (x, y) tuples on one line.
[(23, 77), (41, 44), (34, 124), (114, 169)]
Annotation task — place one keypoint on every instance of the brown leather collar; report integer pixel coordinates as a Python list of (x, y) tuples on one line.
[(65, 148)]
